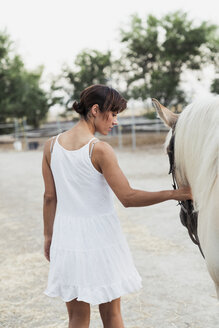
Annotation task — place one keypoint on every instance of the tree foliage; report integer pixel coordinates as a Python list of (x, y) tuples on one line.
[(90, 67), (20, 92), (215, 86), (158, 51)]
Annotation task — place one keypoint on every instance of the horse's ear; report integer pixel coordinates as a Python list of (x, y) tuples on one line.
[(168, 117)]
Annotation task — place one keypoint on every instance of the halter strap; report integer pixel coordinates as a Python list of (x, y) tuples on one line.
[(188, 217), (92, 146)]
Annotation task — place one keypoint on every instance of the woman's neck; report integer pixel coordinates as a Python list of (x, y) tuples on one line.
[(86, 126)]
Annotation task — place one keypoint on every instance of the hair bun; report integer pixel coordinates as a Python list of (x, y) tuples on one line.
[(78, 107)]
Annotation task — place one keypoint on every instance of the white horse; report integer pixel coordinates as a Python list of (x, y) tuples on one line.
[(196, 159)]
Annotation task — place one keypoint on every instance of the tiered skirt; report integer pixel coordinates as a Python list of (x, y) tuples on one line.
[(90, 260)]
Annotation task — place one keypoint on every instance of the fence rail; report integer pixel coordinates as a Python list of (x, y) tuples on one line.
[(132, 125)]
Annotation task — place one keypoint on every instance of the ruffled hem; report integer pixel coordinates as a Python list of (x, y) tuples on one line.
[(96, 295)]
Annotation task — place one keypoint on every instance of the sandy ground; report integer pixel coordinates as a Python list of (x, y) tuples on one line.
[(177, 290)]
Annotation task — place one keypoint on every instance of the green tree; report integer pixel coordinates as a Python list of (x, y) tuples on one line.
[(20, 92), (158, 51), (215, 86), (90, 67)]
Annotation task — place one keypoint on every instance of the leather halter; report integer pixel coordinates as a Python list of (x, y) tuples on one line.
[(188, 217)]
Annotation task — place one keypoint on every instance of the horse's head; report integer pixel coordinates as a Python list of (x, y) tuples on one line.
[(170, 119), (187, 215)]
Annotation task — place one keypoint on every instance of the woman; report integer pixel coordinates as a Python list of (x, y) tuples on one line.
[(90, 261)]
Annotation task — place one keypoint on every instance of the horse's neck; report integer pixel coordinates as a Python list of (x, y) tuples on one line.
[(208, 222), (196, 161)]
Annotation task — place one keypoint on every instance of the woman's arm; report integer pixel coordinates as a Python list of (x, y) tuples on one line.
[(50, 201), (106, 161)]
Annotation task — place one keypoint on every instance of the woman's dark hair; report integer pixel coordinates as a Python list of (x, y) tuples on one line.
[(107, 98)]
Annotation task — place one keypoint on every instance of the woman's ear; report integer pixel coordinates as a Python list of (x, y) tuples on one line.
[(94, 110)]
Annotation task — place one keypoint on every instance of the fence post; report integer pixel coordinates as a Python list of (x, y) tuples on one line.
[(120, 135), (157, 124), (133, 131), (24, 121), (16, 128), (17, 144), (58, 124)]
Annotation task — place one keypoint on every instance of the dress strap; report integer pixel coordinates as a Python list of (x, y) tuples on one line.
[(92, 146), (51, 145), (91, 140), (52, 142)]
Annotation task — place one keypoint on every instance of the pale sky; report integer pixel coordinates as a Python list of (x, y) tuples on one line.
[(53, 32)]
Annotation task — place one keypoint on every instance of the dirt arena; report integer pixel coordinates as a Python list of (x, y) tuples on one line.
[(177, 290)]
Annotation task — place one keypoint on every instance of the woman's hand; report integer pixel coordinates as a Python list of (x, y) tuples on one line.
[(47, 244), (183, 193)]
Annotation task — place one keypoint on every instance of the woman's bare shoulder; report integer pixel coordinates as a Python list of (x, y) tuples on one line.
[(104, 154), (48, 146), (49, 142), (103, 147)]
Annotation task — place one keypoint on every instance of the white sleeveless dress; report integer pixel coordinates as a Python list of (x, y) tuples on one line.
[(89, 257)]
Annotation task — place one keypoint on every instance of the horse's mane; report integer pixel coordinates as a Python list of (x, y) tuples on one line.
[(197, 148)]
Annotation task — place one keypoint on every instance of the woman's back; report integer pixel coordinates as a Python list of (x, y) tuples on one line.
[(81, 189), (90, 258)]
